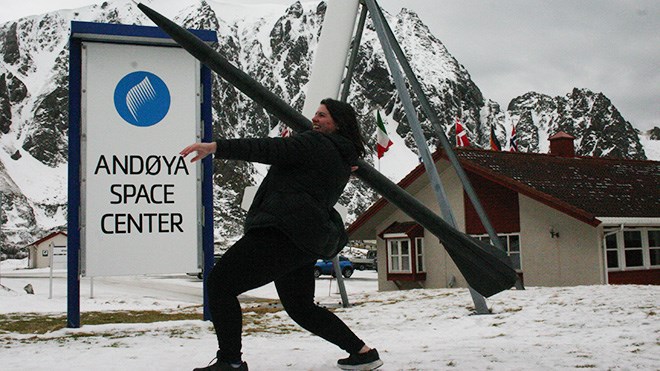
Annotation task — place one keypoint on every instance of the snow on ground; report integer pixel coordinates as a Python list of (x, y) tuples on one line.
[(593, 327)]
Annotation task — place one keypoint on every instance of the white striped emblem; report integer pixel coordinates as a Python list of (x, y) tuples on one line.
[(139, 95)]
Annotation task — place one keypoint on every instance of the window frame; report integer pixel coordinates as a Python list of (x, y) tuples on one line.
[(614, 251), (420, 260), (402, 266), (621, 249), (655, 248), (400, 256), (631, 252)]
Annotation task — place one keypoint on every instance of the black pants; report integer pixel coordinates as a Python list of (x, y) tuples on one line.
[(262, 256)]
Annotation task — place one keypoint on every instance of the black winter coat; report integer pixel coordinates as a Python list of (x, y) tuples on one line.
[(308, 174)]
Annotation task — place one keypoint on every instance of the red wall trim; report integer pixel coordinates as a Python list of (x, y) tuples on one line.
[(406, 276), (499, 202), (636, 277)]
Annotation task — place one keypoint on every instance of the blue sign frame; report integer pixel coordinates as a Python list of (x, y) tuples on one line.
[(136, 35)]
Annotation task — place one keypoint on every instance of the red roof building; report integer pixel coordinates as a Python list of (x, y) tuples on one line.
[(565, 220)]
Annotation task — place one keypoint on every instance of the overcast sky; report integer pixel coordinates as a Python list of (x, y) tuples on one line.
[(510, 47)]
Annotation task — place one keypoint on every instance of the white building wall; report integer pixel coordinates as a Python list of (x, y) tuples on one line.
[(383, 283), (44, 250), (572, 258), (440, 269)]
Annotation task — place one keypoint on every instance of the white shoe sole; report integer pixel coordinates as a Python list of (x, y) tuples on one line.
[(363, 367)]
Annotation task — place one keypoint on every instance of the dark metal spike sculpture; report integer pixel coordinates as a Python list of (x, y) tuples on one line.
[(485, 268)]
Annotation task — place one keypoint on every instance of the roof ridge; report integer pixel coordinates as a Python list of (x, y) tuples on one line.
[(508, 153)]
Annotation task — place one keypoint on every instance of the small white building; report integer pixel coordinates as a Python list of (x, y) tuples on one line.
[(40, 251)]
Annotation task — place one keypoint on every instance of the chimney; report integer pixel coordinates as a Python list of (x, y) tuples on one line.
[(561, 144)]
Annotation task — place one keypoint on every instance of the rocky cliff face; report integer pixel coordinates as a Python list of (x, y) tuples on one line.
[(275, 46), (599, 128)]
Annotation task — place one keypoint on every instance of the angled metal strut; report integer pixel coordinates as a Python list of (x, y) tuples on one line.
[(429, 112)]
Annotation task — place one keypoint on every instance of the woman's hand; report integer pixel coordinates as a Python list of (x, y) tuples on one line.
[(202, 149)]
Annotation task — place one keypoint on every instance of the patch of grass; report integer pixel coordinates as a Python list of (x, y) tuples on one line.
[(253, 325), (31, 323), (30, 328), (263, 306), (257, 320), (37, 323)]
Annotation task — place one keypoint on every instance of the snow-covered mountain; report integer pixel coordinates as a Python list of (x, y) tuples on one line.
[(597, 125), (274, 44)]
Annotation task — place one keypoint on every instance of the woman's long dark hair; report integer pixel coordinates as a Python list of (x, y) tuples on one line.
[(345, 119)]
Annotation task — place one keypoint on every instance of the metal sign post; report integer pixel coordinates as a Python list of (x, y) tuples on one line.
[(57, 260)]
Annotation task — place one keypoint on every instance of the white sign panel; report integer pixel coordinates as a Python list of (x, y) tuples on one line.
[(140, 107), (58, 258)]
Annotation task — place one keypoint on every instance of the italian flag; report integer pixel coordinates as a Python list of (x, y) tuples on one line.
[(383, 141)]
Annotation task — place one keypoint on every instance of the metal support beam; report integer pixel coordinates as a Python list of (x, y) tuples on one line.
[(429, 112), (355, 45), (441, 197)]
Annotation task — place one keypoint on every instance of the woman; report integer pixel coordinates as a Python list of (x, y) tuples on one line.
[(291, 223)]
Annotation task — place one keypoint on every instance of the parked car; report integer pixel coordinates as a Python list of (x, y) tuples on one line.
[(366, 263), (324, 266), (200, 274)]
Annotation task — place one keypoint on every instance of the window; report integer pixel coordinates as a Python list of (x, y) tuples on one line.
[(420, 254), (654, 247), (399, 255), (513, 249), (511, 243), (612, 251), (404, 243), (632, 248)]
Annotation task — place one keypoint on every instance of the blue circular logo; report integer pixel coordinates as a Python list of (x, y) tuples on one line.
[(142, 98)]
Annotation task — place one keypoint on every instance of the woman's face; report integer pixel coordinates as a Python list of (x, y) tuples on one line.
[(323, 122)]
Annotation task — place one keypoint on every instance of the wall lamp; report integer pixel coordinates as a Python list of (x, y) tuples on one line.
[(553, 233)]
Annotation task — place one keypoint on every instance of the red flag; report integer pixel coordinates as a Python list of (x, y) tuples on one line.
[(286, 132), (461, 135), (280, 130)]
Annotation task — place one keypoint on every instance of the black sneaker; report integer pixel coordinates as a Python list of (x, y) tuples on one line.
[(364, 362), (223, 366)]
